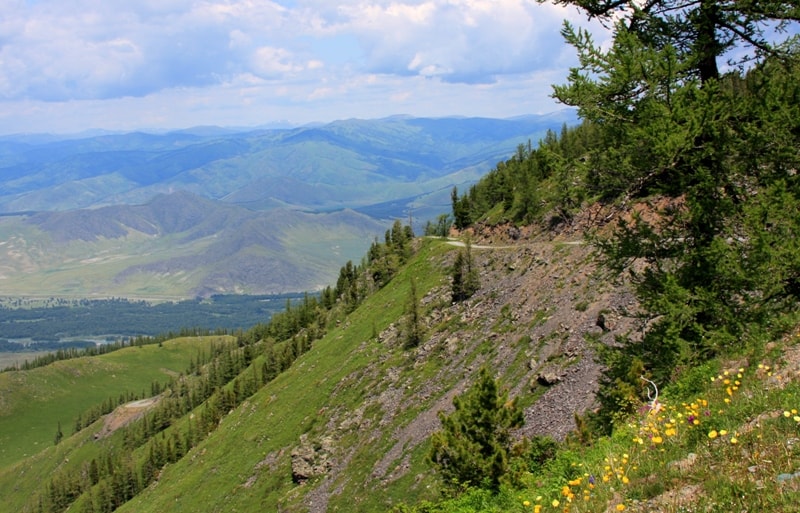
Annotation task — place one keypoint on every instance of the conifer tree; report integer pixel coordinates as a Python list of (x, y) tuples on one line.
[(473, 446), (59, 434), (671, 124), (465, 278), (413, 323)]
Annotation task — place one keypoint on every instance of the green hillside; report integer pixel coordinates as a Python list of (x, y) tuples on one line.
[(360, 406), (330, 391), (177, 246), (33, 403)]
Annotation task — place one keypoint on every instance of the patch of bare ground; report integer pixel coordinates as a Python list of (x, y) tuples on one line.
[(124, 415), (678, 499)]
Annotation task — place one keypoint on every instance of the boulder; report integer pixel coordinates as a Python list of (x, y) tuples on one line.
[(310, 460)]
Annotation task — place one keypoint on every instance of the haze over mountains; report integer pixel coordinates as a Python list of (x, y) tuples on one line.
[(211, 210)]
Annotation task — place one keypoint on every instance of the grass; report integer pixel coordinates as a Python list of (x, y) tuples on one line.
[(245, 465), (34, 402), (730, 443)]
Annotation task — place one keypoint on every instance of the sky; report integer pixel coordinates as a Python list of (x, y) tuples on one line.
[(67, 67)]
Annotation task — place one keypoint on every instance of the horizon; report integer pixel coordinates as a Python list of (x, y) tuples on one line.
[(270, 125)]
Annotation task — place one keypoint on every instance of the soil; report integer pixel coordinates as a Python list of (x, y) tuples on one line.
[(124, 415)]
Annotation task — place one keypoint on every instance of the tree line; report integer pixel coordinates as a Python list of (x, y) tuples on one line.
[(60, 318)]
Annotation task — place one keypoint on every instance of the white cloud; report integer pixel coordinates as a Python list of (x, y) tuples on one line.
[(300, 60), (460, 40)]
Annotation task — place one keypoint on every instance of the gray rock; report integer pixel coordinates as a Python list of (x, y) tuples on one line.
[(311, 460)]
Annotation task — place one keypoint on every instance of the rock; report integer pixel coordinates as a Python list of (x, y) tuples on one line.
[(788, 477), (311, 460), (548, 377), (685, 464), (601, 321)]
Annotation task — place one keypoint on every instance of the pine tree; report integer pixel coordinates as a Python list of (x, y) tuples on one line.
[(465, 278), (473, 446), (413, 332)]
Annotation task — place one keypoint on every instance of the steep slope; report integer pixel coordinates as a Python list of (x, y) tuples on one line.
[(358, 409)]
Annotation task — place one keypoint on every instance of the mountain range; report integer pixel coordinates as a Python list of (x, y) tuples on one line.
[(211, 210)]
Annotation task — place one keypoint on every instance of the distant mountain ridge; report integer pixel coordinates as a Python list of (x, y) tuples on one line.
[(344, 164)]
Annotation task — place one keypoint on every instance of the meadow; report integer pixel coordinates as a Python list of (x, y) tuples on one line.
[(34, 403)]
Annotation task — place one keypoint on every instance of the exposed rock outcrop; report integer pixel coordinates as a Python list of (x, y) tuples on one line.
[(310, 460)]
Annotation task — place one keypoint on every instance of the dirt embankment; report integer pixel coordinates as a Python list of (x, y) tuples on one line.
[(124, 415)]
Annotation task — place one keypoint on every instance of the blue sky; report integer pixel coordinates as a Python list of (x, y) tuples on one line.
[(161, 64)]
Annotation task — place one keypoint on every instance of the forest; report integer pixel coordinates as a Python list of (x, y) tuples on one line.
[(58, 318)]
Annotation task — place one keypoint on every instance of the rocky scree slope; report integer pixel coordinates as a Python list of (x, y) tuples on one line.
[(347, 427), (541, 311)]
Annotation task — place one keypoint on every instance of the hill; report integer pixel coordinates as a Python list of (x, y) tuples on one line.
[(359, 406), (37, 402), (347, 425), (177, 245), (209, 211)]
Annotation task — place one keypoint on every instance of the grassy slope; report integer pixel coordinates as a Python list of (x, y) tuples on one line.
[(736, 458), (724, 438), (32, 403), (245, 465), (22, 481)]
